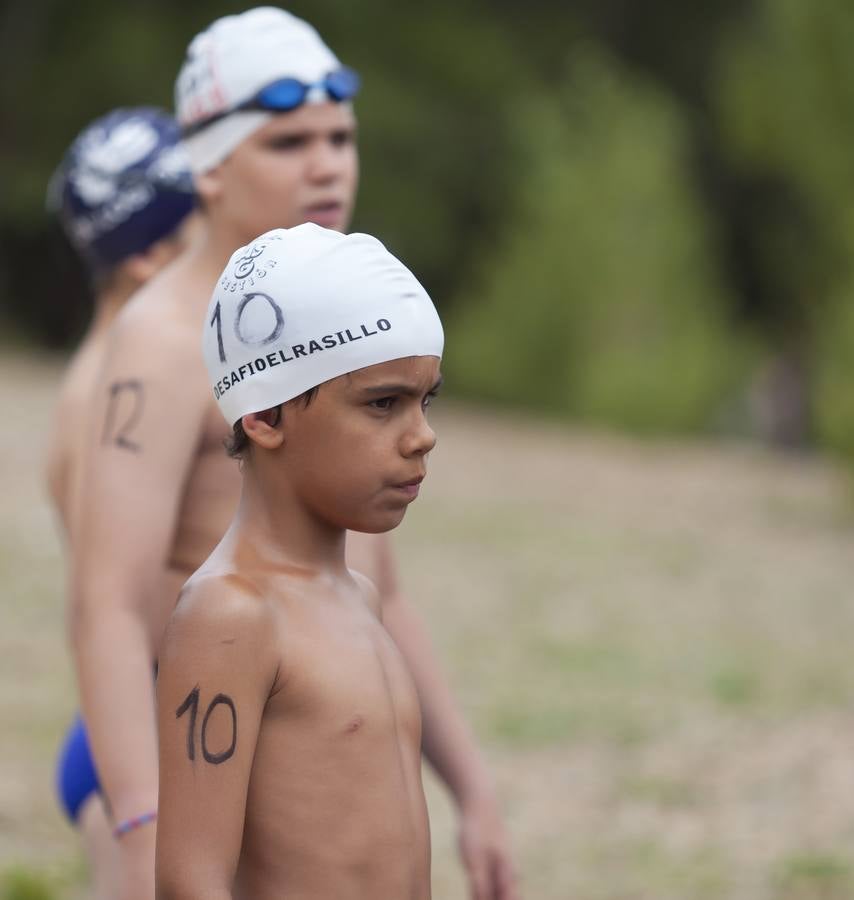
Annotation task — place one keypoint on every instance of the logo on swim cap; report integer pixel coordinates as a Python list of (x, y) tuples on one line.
[(252, 265), (330, 304), (124, 184), (104, 154)]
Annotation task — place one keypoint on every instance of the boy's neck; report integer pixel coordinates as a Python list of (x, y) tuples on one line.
[(281, 530), (202, 262), (220, 239)]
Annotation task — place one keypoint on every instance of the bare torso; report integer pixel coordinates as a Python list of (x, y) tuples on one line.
[(334, 805), (345, 817)]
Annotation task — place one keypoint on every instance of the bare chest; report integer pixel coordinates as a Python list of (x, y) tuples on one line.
[(347, 683), (337, 768)]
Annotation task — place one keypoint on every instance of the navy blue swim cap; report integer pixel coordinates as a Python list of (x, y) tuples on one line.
[(123, 185)]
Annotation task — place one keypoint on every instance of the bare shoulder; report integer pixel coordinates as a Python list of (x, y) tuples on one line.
[(155, 314), (369, 592), (166, 313), (224, 625), (153, 359), (233, 624), (222, 604)]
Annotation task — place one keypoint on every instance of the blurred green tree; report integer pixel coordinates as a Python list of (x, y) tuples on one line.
[(784, 98), (604, 302)]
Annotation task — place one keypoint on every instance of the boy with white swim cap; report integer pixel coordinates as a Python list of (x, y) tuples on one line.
[(244, 75), (271, 138), (124, 196), (290, 732)]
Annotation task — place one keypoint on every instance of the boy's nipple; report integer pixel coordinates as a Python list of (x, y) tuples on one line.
[(354, 724)]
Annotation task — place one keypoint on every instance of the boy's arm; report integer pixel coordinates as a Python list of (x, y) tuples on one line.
[(214, 679), (449, 745), (146, 423)]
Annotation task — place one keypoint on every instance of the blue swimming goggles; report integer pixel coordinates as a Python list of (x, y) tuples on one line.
[(287, 94)]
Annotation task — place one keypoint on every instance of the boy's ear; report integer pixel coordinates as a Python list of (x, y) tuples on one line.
[(208, 184), (265, 428)]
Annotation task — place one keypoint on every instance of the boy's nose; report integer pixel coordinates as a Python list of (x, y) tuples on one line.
[(420, 439), (326, 163)]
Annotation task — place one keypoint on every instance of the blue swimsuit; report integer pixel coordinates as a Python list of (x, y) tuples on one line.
[(76, 778)]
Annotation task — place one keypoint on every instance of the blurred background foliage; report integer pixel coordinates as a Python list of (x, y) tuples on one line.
[(638, 215)]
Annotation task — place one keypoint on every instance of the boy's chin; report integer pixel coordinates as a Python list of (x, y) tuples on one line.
[(378, 523)]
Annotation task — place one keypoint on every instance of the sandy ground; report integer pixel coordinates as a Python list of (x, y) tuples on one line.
[(651, 640)]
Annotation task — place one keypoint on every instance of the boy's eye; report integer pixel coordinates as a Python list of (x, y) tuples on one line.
[(383, 403), (429, 399), (287, 142), (342, 138)]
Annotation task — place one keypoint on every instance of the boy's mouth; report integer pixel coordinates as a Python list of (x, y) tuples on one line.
[(326, 214), (409, 488)]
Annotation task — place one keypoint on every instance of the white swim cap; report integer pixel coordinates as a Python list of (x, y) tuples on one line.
[(300, 306), (229, 62)]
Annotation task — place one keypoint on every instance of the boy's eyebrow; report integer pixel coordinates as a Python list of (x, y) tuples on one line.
[(289, 133), (405, 389), (306, 131)]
